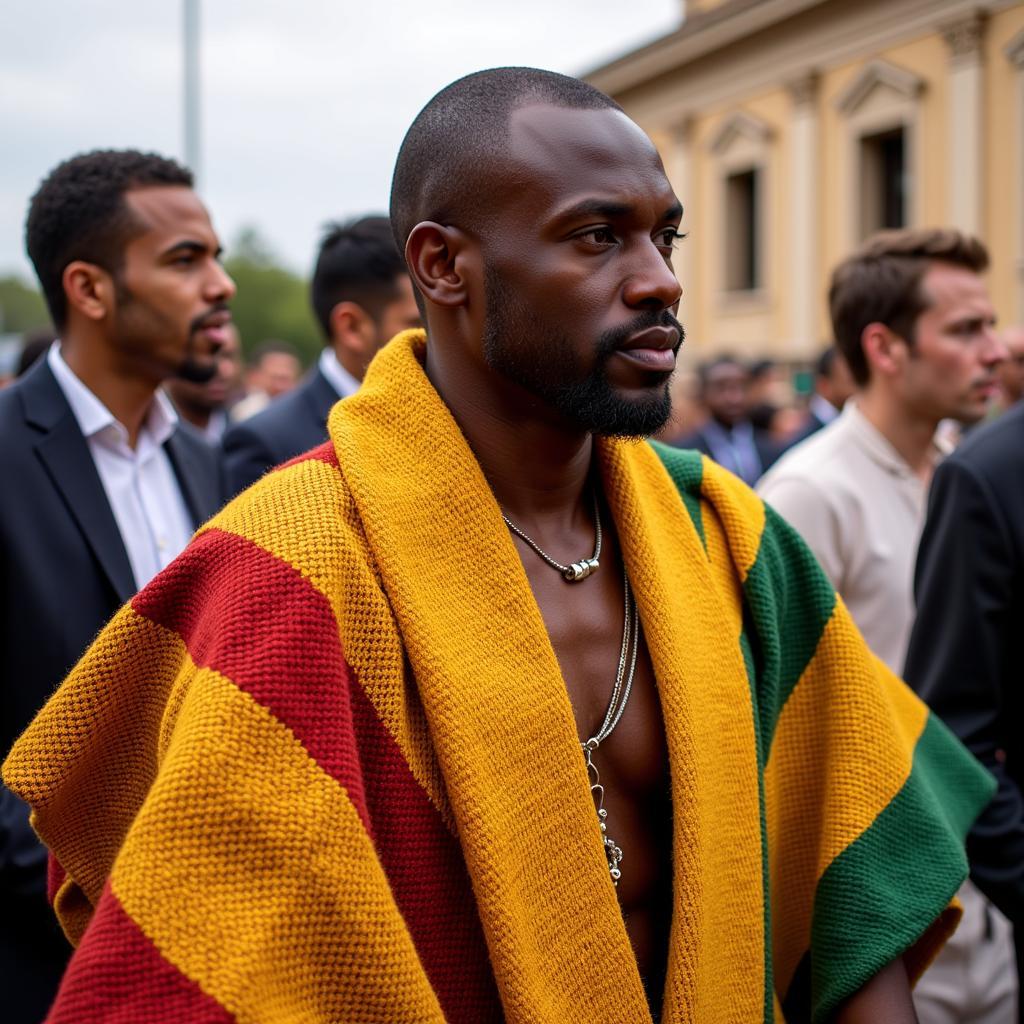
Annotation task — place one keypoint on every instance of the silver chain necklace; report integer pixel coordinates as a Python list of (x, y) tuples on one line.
[(623, 676), (617, 704), (578, 570)]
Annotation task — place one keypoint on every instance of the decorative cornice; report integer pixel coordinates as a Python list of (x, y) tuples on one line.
[(803, 89), (874, 74), (963, 36), (739, 124), (1015, 51)]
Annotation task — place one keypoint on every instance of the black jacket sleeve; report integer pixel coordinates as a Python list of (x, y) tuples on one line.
[(246, 457), (963, 657)]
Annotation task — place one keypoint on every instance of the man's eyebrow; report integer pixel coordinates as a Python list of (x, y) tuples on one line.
[(610, 209), (189, 245), (674, 212), (605, 208)]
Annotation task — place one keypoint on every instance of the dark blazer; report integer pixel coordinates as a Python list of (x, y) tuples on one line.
[(966, 655), (767, 450), (287, 427), (64, 571)]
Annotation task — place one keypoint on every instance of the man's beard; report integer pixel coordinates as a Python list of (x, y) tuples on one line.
[(518, 344), (189, 368)]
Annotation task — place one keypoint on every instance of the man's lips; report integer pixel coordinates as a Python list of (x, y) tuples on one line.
[(654, 348), (215, 326)]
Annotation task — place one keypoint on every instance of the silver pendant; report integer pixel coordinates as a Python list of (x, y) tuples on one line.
[(581, 570), (612, 852)]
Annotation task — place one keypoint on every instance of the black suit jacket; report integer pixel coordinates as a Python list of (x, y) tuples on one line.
[(966, 655), (64, 571), (288, 427), (767, 450)]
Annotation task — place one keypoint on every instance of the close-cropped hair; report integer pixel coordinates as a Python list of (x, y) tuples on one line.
[(882, 283), (357, 262), (79, 213), (447, 162)]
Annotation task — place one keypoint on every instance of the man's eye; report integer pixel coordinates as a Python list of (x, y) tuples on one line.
[(667, 239), (600, 236)]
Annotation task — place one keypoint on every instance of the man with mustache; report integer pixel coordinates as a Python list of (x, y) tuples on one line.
[(912, 317), (487, 709), (105, 487)]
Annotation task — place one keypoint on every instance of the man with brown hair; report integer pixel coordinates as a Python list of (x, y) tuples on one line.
[(913, 319)]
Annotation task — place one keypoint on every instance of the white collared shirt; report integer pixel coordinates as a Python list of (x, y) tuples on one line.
[(337, 376), (140, 484), (860, 507)]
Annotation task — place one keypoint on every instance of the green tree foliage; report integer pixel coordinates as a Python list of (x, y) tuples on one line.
[(21, 307), (272, 302)]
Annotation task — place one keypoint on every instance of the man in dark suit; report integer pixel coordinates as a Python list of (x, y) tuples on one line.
[(104, 486), (728, 436), (966, 657), (362, 297)]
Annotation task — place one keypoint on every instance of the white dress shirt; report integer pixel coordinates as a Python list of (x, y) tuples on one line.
[(140, 484), (860, 507), (337, 376)]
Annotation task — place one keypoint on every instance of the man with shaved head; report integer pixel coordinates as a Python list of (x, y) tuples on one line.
[(487, 709)]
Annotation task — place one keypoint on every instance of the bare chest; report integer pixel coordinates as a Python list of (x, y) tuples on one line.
[(585, 626)]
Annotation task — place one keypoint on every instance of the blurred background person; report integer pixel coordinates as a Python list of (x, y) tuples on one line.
[(833, 385), (727, 435), (109, 488), (912, 316), (204, 404), (767, 393), (273, 370), (362, 297), (1011, 370)]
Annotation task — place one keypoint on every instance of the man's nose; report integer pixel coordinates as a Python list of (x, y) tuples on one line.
[(219, 285), (994, 349), (653, 283)]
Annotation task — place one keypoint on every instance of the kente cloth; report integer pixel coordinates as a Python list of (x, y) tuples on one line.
[(324, 767)]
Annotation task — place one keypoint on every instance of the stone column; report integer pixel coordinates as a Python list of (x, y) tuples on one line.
[(966, 113), (804, 217), (1015, 53)]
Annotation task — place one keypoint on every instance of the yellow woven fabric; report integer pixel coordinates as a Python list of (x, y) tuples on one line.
[(263, 831)]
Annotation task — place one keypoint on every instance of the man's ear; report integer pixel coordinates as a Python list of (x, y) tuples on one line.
[(352, 328), (885, 351), (89, 289), (439, 258)]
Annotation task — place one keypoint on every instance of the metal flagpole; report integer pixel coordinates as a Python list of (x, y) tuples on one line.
[(191, 45)]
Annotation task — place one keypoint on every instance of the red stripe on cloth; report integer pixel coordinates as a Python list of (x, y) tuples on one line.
[(427, 873), (55, 875), (118, 976), (252, 617), (321, 453)]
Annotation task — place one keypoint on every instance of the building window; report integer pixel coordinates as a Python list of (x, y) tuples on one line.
[(883, 184), (742, 230)]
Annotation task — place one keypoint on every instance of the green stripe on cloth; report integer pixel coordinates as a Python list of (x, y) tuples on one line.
[(884, 890), (791, 601), (686, 470), (750, 665)]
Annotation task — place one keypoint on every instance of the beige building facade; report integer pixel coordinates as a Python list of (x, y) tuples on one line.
[(791, 129)]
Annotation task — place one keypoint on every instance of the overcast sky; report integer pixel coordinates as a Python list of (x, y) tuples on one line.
[(304, 103)]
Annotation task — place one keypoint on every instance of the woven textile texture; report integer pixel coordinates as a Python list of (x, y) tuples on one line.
[(318, 771)]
